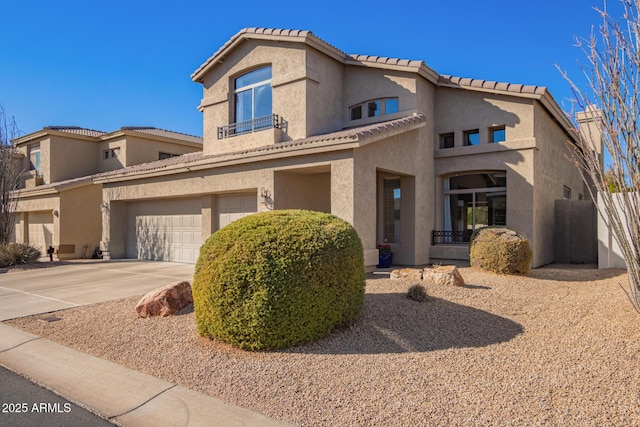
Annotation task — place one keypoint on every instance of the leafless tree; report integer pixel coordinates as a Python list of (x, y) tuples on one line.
[(10, 171), (612, 99)]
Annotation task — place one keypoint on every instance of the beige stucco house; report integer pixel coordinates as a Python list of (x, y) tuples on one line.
[(409, 157), (60, 205)]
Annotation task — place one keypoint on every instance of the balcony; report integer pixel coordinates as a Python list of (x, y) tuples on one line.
[(260, 123), (462, 237)]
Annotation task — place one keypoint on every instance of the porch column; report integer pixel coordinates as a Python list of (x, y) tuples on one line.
[(106, 231)]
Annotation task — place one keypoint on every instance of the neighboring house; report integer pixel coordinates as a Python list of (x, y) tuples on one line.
[(409, 157), (60, 205)]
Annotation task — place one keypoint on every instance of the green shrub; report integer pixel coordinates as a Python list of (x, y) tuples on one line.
[(18, 253), (276, 279), (500, 250)]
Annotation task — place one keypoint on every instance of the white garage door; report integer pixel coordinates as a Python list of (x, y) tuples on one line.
[(165, 230), (41, 230), (235, 206)]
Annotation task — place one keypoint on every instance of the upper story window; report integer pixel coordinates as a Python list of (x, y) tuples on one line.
[(252, 94), (472, 137), (447, 140), (497, 134), (162, 155), (374, 108), (34, 159), (111, 153)]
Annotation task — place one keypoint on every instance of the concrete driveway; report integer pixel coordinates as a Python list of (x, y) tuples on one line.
[(42, 290)]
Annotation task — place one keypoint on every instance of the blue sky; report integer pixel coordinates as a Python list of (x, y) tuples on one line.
[(104, 65)]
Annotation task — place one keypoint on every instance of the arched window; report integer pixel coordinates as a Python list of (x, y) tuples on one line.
[(252, 96)]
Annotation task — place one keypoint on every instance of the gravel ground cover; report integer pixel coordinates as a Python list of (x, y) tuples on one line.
[(557, 347)]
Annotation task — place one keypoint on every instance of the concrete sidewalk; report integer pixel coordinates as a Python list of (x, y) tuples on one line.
[(120, 395)]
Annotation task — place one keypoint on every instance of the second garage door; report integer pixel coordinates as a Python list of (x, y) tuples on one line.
[(41, 230), (165, 230), (235, 206)]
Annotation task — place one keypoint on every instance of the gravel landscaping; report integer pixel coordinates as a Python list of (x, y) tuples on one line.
[(557, 347)]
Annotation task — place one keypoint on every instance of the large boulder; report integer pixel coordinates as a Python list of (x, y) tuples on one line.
[(165, 301), (406, 274), (443, 275)]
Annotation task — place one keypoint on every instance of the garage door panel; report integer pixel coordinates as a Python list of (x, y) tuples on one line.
[(40, 229), (164, 230), (233, 207)]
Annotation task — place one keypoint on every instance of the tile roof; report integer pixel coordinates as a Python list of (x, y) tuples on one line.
[(76, 130), (163, 132), (446, 80), (347, 135)]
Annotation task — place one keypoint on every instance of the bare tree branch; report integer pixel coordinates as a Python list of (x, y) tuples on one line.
[(611, 104), (10, 171)]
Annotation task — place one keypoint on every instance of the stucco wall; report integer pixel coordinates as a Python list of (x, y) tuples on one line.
[(80, 219), (289, 82), (461, 110), (553, 171), (70, 158), (405, 156)]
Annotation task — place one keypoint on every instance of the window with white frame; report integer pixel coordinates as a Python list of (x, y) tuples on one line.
[(253, 96), (34, 159)]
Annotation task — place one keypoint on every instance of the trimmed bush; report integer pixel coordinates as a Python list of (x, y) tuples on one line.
[(275, 279), (18, 253), (500, 250)]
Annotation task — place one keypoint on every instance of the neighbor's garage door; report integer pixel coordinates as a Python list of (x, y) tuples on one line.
[(235, 206), (41, 230), (165, 230)]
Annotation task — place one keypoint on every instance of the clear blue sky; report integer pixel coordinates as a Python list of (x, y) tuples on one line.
[(104, 65)]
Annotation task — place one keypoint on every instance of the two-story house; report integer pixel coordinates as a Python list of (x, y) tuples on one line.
[(409, 157), (60, 206)]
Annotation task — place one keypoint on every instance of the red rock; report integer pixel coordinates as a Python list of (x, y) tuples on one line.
[(165, 301)]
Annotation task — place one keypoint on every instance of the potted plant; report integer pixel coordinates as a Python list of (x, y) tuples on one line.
[(385, 256)]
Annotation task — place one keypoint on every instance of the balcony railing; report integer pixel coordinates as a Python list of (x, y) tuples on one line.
[(253, 125), (451, 237)]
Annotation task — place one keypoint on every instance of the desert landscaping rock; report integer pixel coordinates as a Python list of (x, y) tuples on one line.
[(406, 274), (557, 347), (165, 301), (447, 275)]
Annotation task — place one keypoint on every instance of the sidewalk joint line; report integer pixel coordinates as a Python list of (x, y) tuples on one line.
[(41, 296), (142, 404), (22, 343)]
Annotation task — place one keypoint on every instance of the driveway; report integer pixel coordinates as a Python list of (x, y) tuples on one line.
[(42, 290)]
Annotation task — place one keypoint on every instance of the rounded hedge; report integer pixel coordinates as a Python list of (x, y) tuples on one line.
[(275, 279), (500, 250)]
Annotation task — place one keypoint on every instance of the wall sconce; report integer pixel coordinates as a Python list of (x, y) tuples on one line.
[(55, 213), (265, 196), (104, 207)]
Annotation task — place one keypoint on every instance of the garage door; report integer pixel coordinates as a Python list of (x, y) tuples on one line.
[(235, 206), (165, 230), (41, 229)]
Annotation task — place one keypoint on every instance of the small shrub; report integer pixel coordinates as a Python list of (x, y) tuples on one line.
[(500, 250), (417, 293), (18, 253), (276, 279)]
